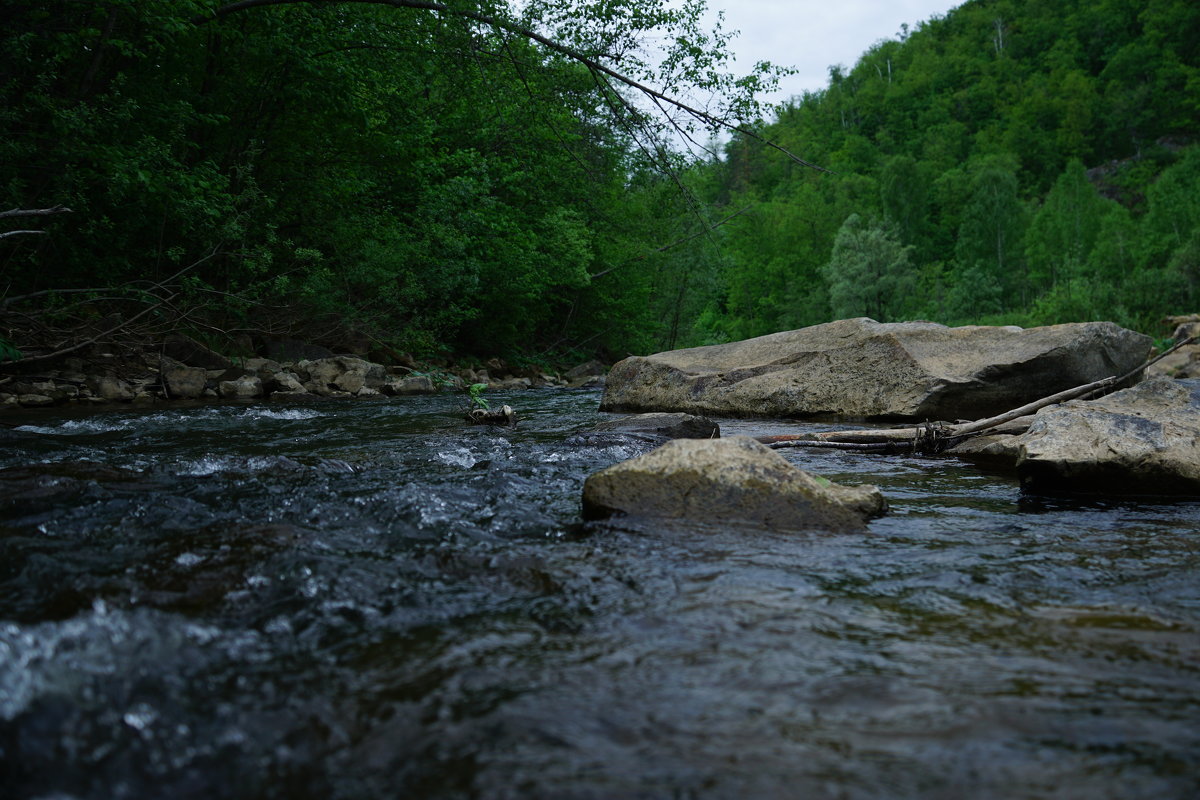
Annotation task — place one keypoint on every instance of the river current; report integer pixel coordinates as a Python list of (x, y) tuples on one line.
[(356, 599)]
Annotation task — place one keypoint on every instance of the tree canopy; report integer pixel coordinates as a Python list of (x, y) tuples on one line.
[(1033, 156), (513, 178), (436, 175)]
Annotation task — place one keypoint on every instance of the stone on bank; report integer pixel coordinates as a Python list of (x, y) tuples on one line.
[(733, 481), (1142, 440), (859, 368)]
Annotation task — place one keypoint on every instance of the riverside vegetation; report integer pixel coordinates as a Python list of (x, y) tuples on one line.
[(390, 178)]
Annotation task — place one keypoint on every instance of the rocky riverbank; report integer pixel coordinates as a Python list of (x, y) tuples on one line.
[(184, 370)]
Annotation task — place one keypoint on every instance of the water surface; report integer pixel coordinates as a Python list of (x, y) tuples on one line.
[(370, 600)]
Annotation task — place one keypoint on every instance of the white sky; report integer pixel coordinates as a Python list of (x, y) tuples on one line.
[(812, 35)]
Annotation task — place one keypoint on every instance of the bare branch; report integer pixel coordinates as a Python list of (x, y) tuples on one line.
[(513, 27), (7, 234), (79, 346), (34, 212)]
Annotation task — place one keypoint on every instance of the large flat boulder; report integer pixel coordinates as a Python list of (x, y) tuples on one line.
[(859, 368), (1142, 440), (735, 480)]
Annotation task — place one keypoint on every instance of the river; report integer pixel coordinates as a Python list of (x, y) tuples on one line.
[(355, 599)]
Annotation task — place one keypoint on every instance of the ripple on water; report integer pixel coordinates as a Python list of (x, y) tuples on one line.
[(370, 600)]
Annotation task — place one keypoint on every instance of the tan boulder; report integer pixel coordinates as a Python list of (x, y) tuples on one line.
[(735, 480), (183, 381), (860, 368), (111, 389), (243, 388), (340, 374), (1142, 440)]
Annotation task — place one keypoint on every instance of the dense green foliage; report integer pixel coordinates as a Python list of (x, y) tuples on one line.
[(1013, 161), (424, 179), (432, 182)]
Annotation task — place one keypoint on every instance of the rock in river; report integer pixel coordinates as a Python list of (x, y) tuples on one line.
[(668, 426), (866, 369), (735, 480), (1143, 440)]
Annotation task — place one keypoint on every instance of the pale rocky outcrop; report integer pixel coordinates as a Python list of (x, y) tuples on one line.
[(1184, 362), (284, 382), (1143, 440), (35, 400), (865, 369), (262, 366), (734, 480)]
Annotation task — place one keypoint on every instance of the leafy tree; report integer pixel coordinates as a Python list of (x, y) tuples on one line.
[(869, 272), (1063, 232), (989, 239)]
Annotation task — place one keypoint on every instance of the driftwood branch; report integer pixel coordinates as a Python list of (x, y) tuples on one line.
[(936, 437)]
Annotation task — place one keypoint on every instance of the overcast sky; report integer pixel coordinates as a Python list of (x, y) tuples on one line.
[(811, 35)]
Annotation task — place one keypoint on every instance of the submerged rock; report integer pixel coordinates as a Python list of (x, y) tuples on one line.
[(734, 480), (646, 431), (668, 426), (866, 369), (1143, 440)]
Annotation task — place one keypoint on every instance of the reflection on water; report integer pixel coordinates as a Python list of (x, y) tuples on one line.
[(365, 599)]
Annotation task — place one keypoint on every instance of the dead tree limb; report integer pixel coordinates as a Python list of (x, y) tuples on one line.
[(514, 27), (30, 212), (91, 340), (34, 212), (160, 292)]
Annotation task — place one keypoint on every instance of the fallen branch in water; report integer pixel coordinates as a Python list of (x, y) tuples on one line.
[(934, 437)]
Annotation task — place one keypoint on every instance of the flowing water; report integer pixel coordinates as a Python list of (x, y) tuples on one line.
[(369, 600)]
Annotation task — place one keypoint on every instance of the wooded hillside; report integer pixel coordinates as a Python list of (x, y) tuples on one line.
[(426, 177), (1014, 161)]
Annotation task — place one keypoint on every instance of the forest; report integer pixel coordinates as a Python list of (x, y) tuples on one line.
[(467, 179)]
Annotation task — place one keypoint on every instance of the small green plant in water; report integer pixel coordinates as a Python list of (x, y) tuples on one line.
[(475, 390)]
